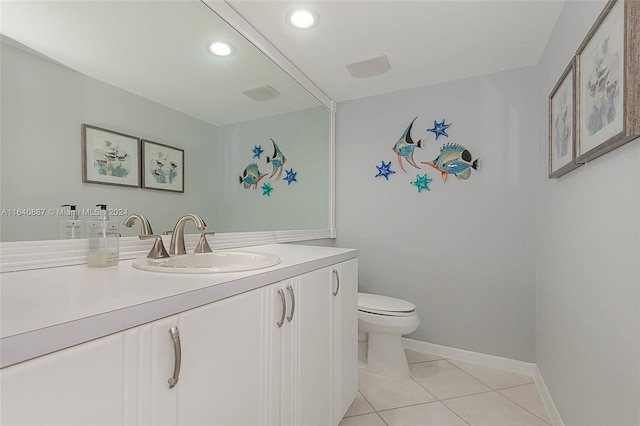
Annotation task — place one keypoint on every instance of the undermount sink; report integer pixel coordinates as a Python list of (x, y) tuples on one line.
[(205, 263)]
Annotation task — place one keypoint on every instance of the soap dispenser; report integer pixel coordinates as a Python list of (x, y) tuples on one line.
[(71, 228), (104, 240)]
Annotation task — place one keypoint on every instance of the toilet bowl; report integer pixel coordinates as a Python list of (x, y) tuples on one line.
[(382, 321)]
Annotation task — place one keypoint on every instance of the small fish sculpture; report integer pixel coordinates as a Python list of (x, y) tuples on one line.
[(251, 176), (454, 159), (405, 147), (277, 160)]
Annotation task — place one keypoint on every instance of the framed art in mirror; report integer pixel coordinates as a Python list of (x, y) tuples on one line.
[(162, 167), (562, 124), (109, 157), (608, 77)]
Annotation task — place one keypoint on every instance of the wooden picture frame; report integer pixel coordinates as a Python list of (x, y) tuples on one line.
[(562, 124), (162, 167), (608, 81), (109, 157)]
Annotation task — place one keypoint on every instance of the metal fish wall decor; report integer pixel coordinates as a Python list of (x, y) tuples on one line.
[(252, 175), (453, 158)]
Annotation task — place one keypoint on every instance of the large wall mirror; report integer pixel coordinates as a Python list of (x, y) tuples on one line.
[(143, 69)]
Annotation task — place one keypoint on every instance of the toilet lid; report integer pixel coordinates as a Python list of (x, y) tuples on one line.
[(384, 305)]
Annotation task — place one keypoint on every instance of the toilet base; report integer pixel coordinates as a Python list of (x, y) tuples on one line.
[(385, 356)]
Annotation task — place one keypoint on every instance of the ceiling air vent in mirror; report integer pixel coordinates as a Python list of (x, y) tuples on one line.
[(370, 67), (262, 93)]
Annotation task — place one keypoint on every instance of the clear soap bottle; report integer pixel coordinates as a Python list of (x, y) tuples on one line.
[(72, 227), (104, 240)]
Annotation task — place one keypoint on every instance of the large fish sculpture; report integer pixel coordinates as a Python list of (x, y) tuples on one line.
[(251, 176), (277, 160), (454, 160), (405, 147)]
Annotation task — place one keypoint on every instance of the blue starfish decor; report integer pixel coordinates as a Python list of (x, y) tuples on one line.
[(257, 151), (384, 170), (290, 177), (439, 128), (422, 182), (266, 189)]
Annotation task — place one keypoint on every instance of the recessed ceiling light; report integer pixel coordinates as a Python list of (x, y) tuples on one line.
[(302, 19), (220, 48)]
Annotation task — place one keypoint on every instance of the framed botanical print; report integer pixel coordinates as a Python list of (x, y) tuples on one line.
[(109, 157), (562, 122), (162, 167), (608, 76)]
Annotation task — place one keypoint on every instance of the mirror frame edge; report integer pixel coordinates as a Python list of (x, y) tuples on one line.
[(235, 20)]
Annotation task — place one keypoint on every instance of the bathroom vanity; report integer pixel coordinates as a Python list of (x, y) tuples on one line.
[(275, 346)]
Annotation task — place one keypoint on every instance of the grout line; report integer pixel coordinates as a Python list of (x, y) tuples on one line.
[(473, 377), (405, 406), (525, 408), (380, 417)]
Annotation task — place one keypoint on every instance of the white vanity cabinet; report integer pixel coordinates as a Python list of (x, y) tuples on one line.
[(301, 341), (222, 376), (280, 354), (89, 384), (344, 336)]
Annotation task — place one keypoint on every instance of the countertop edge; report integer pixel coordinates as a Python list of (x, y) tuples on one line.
[(25, 346)]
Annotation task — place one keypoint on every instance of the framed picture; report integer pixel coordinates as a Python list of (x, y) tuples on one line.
[(162, 167), (608, 76), (109, 157), (562, 124)]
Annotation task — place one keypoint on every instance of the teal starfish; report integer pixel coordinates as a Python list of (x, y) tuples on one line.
[(266, 189), (422, 182)]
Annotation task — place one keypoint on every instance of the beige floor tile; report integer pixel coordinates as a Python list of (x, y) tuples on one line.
[(444, 380), (492, 377), (415, 356), (492, 409), (363, 420), (384, 393), (528, 396), (359, 406), (430, 414)]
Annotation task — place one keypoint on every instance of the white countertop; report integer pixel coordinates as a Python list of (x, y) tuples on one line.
[(45, 310)]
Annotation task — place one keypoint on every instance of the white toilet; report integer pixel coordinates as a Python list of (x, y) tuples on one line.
[(382, 321)]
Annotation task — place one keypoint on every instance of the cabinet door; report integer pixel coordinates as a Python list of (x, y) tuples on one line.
[(88, 384), (306, 352), (345, 336), (222, 377)]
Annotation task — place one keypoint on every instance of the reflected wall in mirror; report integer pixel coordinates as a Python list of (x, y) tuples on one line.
[(143, 69)]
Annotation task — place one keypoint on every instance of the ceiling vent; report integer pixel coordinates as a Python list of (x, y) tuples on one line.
[(262, 93), (370, 67)]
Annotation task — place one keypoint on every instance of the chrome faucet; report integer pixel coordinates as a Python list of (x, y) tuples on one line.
[(177, 237), (157, 251)]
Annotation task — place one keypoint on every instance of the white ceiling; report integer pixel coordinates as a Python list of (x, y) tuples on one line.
[(157, 49), (425, 41)]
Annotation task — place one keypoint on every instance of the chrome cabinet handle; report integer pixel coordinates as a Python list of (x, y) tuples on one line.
[(175, 336), (335, 272), (293, 303), (284, 307)]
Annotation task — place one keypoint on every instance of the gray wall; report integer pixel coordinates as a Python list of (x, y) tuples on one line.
[(303, 137), (43, 107), (588, 250), (463, 252)]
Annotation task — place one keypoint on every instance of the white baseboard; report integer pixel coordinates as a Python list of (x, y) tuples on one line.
[(513, 365), (493, 361), (556, 419)]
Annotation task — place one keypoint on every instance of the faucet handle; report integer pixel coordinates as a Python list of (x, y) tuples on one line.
[(157, 251), (203, 246)]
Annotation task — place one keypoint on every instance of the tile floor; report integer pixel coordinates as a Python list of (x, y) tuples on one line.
[(447, 392)]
